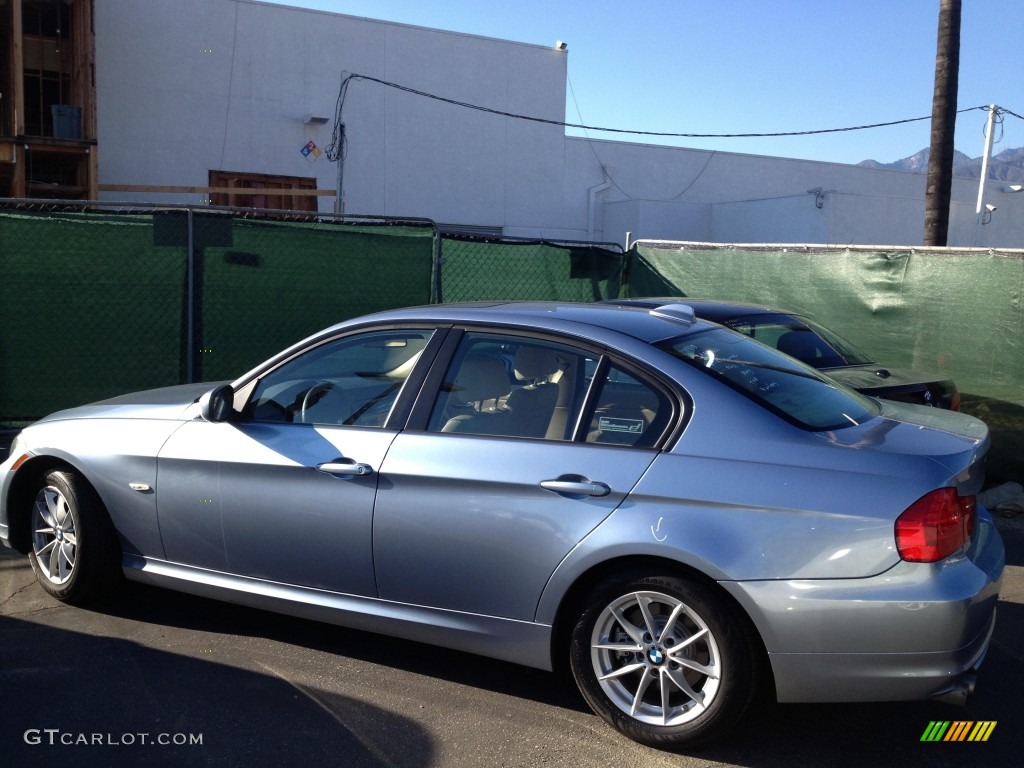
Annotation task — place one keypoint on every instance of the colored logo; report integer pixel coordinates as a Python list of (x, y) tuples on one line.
[(311, 151), (958, 730)]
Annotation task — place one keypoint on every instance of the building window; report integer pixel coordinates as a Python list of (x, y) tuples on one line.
[(46, 39), (57, 172), (257, 190)]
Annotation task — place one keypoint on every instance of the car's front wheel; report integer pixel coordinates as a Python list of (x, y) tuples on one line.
[(75, 554), (664, 660)]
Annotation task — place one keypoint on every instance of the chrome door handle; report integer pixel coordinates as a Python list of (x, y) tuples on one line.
[(345, 468), (581, 487)]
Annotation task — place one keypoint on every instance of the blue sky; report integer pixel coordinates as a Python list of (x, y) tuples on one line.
[(755, 66)]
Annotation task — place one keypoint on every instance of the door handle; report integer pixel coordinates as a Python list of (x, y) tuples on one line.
[(576, 486), (345, 468)]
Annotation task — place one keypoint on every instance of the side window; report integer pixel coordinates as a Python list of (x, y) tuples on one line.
[(511, 386), (352, 381), (628, 411)]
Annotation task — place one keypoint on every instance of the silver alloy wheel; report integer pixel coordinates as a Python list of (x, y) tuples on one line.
[(54, 538), (655, 658)]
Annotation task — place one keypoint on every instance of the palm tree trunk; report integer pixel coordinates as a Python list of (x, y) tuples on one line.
[(940, 158)]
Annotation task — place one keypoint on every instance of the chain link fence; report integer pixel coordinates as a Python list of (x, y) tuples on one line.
[(480, 269), (98, 300), (94, 302), (89, 306), (957, 312)]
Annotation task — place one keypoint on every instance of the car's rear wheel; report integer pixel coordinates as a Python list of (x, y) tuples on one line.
[(664, 660), (75, 555)]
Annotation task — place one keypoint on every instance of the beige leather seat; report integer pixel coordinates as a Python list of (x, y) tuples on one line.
[(480, 387), (533, 404)]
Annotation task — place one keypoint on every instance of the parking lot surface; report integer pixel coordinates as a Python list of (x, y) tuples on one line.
[(152, 677)]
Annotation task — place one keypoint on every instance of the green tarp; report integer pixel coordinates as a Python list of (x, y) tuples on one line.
[(97, 304), (958, 313), (278, 283), (93, 304), (476, 269), (89, 308)]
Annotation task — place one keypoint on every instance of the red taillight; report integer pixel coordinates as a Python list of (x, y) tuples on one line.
[(935, 526), (954, 402)]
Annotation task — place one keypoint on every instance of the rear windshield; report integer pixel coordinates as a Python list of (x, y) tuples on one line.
[(781, 384), (801, 338)]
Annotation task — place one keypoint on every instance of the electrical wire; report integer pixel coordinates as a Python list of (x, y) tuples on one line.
[(337, 147), (997, 120), (352, 76), (590, 143), (231, 83)]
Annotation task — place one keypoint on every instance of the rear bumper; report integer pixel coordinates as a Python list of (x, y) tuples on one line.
[(915, 631), (849, 677)]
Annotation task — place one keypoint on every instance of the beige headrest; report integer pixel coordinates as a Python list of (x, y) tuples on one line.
[(481, 377), (534, 362)]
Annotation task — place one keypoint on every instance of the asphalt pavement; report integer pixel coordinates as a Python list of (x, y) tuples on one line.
[(151, 677)]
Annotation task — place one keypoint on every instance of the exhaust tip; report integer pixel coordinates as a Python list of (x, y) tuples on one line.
[(960, 692)]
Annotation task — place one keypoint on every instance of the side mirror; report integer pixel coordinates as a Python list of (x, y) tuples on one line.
[(216, 405)]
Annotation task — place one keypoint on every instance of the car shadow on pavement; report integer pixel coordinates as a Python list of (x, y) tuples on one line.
[(139, 602), (784, 735), (86, 699), (86, 681)]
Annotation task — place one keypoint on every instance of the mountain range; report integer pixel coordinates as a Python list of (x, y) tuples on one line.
[(1007, 166)]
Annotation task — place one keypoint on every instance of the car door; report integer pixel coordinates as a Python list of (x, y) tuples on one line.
[(285, 490), (502, 479)]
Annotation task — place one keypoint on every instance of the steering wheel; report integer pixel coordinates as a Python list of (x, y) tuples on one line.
[(313, 396)]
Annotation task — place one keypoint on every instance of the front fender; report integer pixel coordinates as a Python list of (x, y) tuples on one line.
[(117, 457)]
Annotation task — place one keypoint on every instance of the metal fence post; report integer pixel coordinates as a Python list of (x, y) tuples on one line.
[(435, 277), (190, 341)]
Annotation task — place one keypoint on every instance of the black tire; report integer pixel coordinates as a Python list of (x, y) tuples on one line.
[(665, 660), (75, 553)]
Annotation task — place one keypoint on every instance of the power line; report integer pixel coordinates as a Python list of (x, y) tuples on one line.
[(669, 134)]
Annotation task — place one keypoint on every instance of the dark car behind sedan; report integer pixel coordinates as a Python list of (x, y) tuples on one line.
[(800, 337)]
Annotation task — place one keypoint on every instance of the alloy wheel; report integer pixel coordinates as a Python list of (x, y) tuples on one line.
[(54, 536), (655, 658)]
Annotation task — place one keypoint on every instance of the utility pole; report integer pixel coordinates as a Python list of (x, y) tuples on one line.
[(993, 112), (940, 158), (340, 203)]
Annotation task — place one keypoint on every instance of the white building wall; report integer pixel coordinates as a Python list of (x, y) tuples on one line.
[(784, 220), (190, 86), (757, 199)]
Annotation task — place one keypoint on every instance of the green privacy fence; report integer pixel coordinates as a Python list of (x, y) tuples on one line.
[(954, 312), (94, 303), (480, 269), (88, 306), (278, 282)]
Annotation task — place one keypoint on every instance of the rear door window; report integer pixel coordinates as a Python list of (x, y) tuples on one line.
[(518, 386), (628, 410)]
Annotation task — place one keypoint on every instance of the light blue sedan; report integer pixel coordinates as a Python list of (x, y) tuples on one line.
[(681, 515)]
